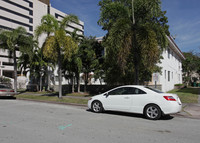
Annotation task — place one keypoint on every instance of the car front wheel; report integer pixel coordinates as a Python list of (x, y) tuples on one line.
[(97, 107), (152, 112)]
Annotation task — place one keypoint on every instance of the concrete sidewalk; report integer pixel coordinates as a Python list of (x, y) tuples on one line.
[(191, 110)]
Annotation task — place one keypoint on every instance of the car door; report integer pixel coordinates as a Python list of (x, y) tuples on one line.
[(118, 100), (139, 100)]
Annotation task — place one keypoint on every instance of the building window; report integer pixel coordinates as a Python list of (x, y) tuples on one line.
[(168, 75), (16, 13), (31, 4), (165, 74), (31, 12), (20, 6), (179, 64), (172, 75), (8, 64), (30, 28), (17, 22), (31, 20), (168, 53)]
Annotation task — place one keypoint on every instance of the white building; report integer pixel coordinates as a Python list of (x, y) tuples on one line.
[(28, 14), (171, 65)]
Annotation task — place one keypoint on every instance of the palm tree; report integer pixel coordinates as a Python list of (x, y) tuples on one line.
[(36, 64), (136, 29), (57, 45), (16, 40), (47, 26), (76, 62)]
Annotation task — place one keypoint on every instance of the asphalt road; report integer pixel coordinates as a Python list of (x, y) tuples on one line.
[(33, 122)]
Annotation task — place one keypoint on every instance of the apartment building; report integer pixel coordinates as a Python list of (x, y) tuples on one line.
[(28, 14), (171, 64)]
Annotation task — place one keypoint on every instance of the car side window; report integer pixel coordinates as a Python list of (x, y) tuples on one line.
[(117, 91), (132, 90)]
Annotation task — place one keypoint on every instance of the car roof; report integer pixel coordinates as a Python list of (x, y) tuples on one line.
[(139, 86)]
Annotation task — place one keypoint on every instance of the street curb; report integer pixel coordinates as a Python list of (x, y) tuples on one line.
[(52, 102)]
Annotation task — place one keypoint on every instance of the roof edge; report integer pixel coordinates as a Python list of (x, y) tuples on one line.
[(171, 40)]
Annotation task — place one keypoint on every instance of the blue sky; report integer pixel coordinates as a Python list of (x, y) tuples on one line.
[(183, 17)]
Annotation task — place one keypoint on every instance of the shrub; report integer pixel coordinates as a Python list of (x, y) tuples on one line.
[(179, 85), (4, 80)]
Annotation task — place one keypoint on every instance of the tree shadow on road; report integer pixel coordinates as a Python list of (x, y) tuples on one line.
[(7, 98)]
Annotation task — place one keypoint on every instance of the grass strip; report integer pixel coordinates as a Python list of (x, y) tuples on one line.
[(187, 95), (53, 99)]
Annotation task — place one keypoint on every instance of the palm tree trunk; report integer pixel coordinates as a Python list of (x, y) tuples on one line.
[(136, 61), (136, 64), (86, 82), (78, 82), (72, 83), (133, 15), (47, 78), (136, 73), (15, 71), (59, 75), (48, 73), (40, 82)]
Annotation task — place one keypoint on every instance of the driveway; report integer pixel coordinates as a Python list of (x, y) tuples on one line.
[(33, 122)]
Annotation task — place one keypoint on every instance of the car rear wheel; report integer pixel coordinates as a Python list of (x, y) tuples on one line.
[(97, 107), (152, 112)]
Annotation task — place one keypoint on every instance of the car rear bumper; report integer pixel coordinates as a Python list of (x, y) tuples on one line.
[(173, 108), (7, 94)]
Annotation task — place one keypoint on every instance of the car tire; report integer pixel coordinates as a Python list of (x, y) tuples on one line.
[(152, 112), (97, 107)]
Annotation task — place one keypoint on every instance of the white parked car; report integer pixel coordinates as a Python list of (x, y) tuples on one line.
[(136, 99), (6, 90)]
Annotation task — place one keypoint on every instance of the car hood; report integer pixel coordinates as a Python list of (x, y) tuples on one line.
[(98, 96)]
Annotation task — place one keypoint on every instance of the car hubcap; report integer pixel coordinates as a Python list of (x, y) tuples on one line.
[(96, 107), (152, 112)]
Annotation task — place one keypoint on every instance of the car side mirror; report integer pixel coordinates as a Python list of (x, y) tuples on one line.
[(106, 94)]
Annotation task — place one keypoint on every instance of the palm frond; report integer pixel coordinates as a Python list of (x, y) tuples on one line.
[(67, 20)]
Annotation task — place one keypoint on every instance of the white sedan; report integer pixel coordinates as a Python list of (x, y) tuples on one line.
[(136, 99)]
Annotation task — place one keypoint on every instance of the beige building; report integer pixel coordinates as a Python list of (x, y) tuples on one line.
[(28, 14)]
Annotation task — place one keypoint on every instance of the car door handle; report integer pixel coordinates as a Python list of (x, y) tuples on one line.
[(126, 97)]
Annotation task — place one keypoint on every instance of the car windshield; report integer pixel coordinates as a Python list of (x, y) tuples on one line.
[(155, 90), (4, 86)]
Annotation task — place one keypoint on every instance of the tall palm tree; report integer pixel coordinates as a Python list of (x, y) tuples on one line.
[(57, 44), (76, 62), (16, 40), (36, 64), (47, 26), (136, 28)]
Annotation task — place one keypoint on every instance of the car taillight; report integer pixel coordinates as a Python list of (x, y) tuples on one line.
[(12, 91), (169, 98), (2, 90)]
